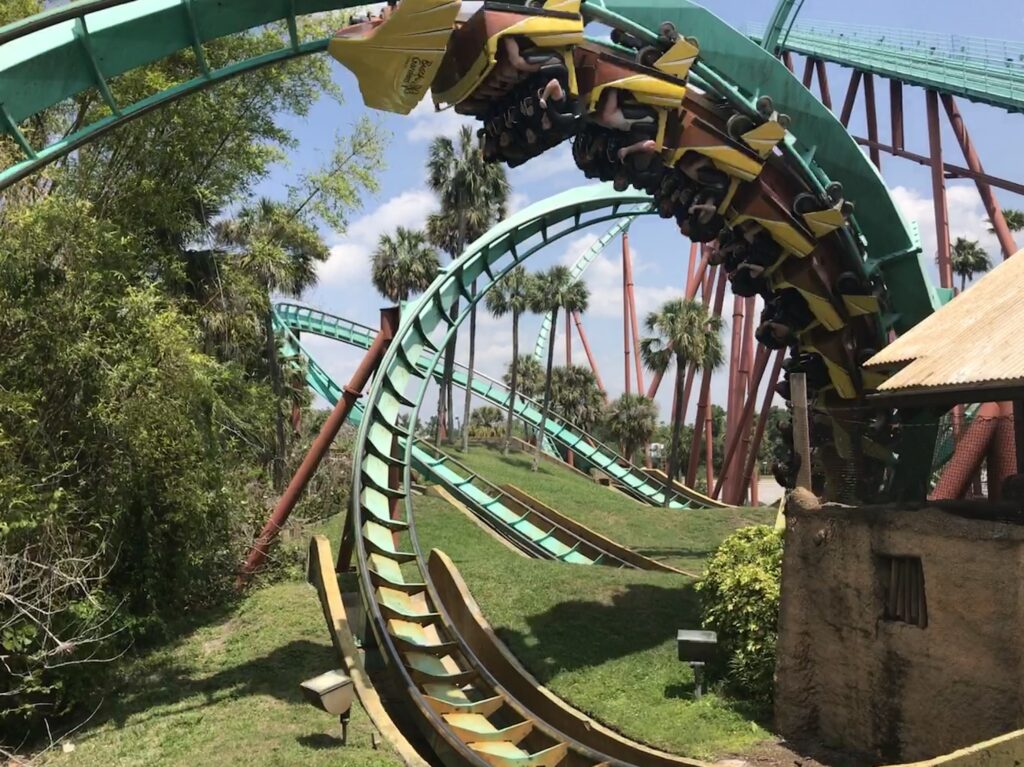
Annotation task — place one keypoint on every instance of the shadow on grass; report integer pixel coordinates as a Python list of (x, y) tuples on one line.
[(166, 687), (320, 741), (582, 634)]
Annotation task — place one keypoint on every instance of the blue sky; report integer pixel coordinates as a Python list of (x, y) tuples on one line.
[(659, 252)]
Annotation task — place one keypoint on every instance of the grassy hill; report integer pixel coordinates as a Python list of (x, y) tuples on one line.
[(680, 537), (226, 691)]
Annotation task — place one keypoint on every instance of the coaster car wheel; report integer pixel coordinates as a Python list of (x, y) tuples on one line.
[(737, 125), (648, 56), (806, 202)]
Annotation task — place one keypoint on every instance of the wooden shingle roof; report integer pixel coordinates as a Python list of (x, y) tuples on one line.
[(976, 341)]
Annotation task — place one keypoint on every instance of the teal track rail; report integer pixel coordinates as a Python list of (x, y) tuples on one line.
[(49, 58), (63, 53), (71, 49), (819, 148), (577, 270), (631, 479), (979, 69), (531, 533)]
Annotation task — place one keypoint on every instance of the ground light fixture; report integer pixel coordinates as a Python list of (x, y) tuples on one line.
[(696, 648), (331, 692)]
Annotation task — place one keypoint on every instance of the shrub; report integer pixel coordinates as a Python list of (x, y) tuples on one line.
[(740, 600)]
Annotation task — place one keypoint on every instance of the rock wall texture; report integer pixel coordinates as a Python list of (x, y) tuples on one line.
[(850, 677)]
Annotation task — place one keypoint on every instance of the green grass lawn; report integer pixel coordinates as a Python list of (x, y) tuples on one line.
[(680, 537), (603, 639), (228, 694)]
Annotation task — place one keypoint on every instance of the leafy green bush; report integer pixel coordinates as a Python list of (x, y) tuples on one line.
[(740, 600)]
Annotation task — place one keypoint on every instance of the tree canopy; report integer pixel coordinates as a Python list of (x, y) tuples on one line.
[(138, 410)]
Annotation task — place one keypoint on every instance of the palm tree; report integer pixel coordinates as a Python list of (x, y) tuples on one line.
[(473, 195), (683, 332), (1014, 220), (531, 375), (511, 296), (553, 290), (403, 264), (485, 421), (576, 396), (631, 420), (280, 252), (968, 258)]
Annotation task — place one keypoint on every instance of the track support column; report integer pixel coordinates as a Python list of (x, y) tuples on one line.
[(634, 322), (988, 196), (389, 319), (939, 192)]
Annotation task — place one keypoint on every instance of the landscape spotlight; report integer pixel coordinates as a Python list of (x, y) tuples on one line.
[(331, 692), (696, 648)]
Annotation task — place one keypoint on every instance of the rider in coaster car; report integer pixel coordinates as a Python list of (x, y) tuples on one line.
[(783, 315), (618, 114), (699, 218), (550, 101), (812, 366), (747, 254), (701, 221)]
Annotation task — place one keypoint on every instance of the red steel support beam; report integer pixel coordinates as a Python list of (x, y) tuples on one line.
[(691, 265), (734, 396), (851, 98), (691, 293), (1018, 434), (625, 321), (872, 114), (951, 171), (703, 407), (967, 457), (787, 59), (809, 72), (637, 361), (321, 445), (988, 197), (586, 350), (826, 91), (743, 420), (568, 339), (749, 390), (709, 448), (896, 112), (939, 192), (1002, 453), (762, 420)]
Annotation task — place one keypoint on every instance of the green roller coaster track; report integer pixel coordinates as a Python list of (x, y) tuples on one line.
[(84, 46), (577, 270), (631, 479), (72, 49), (978, 69), (485, 502)]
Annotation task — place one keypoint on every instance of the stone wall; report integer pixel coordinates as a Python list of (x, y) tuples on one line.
[(848, 676)]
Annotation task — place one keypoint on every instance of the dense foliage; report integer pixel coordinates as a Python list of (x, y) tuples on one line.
[(740, 600), (142, 401)]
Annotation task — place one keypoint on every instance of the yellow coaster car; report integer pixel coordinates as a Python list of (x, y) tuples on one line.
[(396, 57), (499, 46)]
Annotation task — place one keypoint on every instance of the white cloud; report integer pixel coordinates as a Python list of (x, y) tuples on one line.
[(604, 278), (349, 262), (967, 218), (517, 201), (428, 123)]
